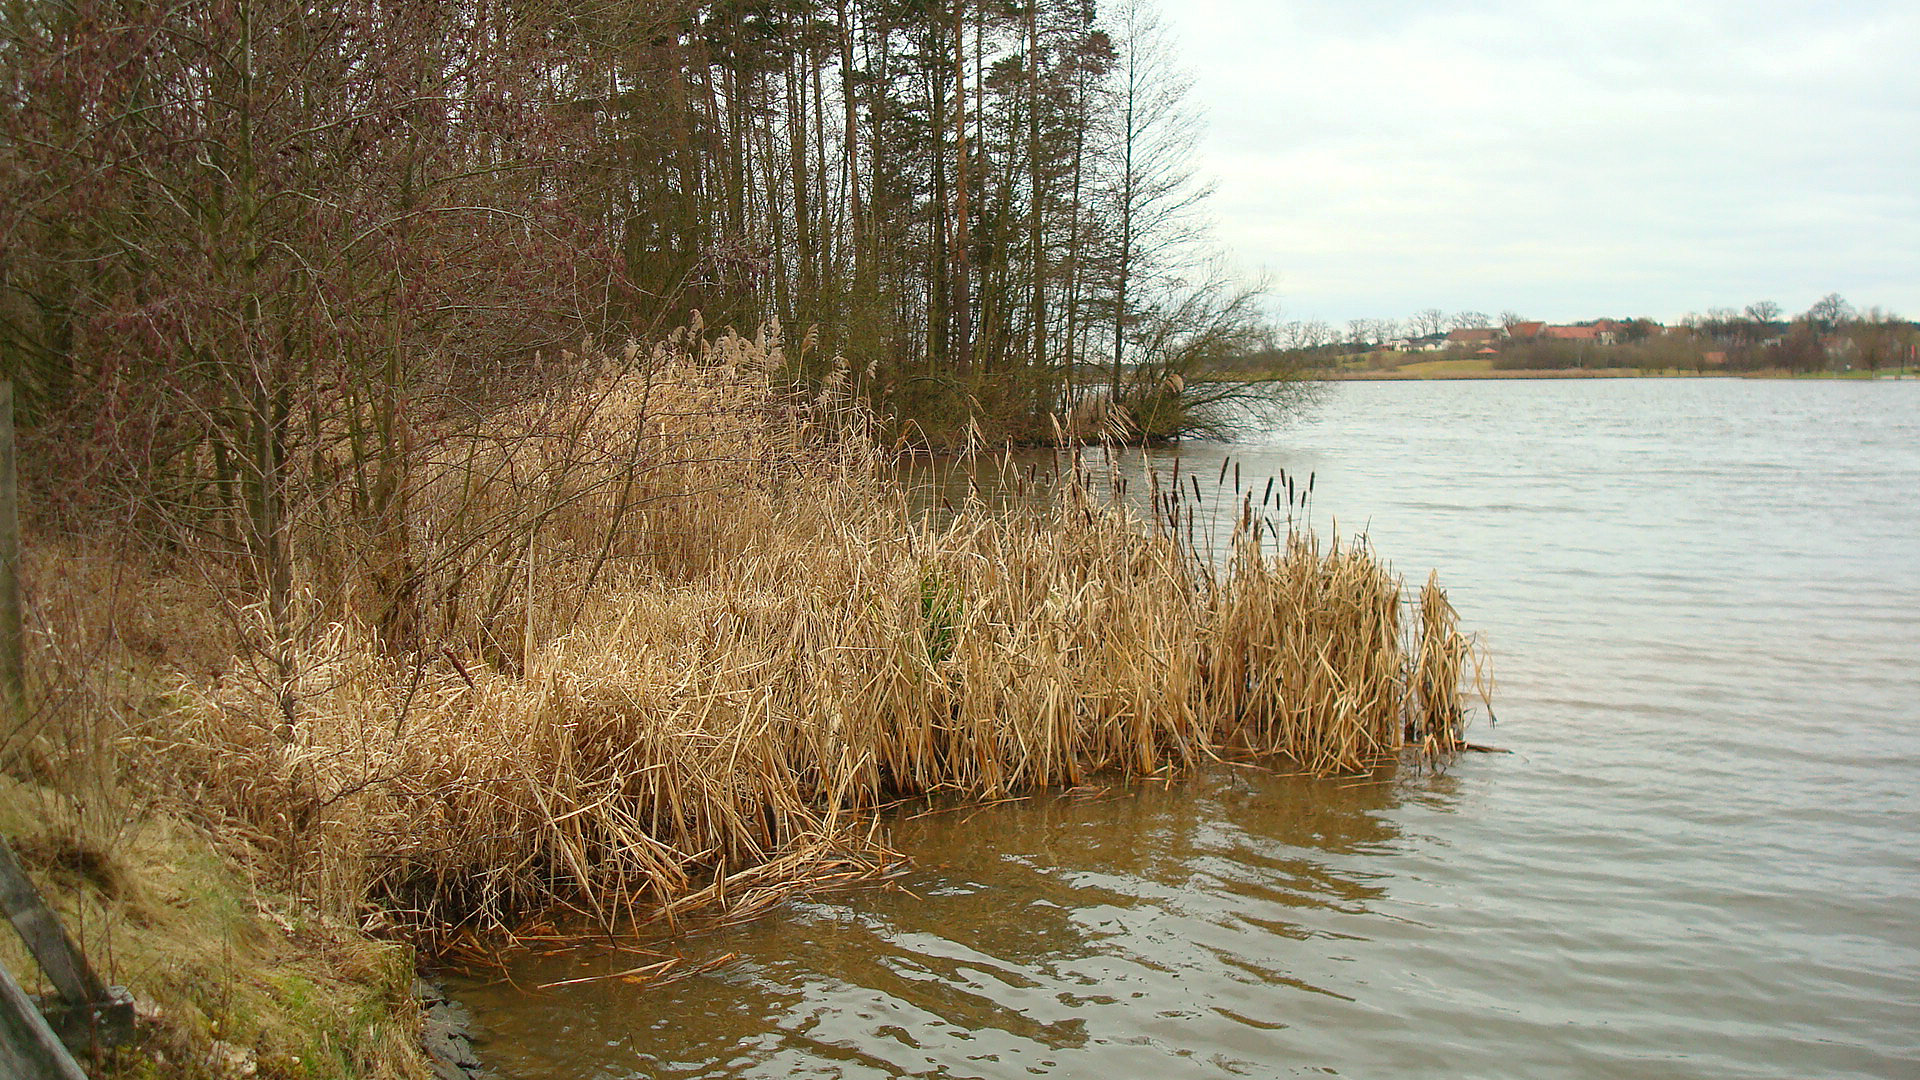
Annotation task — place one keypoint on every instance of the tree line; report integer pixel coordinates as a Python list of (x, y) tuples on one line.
[(231, 223), (1831, 334)]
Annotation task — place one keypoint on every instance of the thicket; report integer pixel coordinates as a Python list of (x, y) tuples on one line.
[(672, 622), (354, 543), (232, 222), (652, 641), (1656, 354), (1868, 344)]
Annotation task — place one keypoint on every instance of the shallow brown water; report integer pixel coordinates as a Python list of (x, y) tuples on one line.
[(1700, 861)]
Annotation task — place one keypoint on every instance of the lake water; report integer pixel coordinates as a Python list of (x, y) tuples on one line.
[(1702, 858)]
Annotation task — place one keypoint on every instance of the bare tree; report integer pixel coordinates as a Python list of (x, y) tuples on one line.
[(1192, 332), (1721, 322), (1153, 192), (1829, 312), (1304, 334), (1427, 322), (1880, 338)]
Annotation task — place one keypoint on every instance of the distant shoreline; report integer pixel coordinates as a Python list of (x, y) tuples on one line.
[(1518, 373), (1593, 373)]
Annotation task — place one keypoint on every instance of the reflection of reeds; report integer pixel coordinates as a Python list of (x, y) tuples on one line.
[(674, 633)]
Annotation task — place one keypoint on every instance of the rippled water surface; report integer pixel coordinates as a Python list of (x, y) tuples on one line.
[(1702, 858)]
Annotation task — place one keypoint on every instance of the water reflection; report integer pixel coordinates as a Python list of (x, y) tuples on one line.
[(1698, 862), (1212, 479), (1070, 930)]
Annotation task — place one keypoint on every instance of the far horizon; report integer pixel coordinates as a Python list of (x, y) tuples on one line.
[(1410, 324), (1564, 162), (1787, 314)]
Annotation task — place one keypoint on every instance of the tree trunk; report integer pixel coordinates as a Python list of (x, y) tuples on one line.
[(962, 286)]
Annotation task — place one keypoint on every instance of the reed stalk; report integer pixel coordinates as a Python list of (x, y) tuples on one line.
[(748, 639)]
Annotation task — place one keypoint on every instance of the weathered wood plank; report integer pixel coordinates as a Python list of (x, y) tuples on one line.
[(29, 1050), (40, 928)]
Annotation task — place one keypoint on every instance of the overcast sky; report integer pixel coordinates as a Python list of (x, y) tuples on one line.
[(1563, 160)]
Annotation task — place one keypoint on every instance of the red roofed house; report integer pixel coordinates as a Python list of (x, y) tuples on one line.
[(1576, 333), (1460, 339), (1526, 329)]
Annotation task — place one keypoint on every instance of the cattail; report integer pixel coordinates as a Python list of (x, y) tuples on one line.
[(779, 638)]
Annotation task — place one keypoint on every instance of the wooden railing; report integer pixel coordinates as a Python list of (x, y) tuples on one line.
[(84, 1012)]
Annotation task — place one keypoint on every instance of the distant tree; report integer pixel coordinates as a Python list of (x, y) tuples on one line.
[(1636, 330), (1470, 320), (1801, 349), (1429, 321), (1369, 331), (1763, 311), (1880, 338), (1829, 312), (1510, 319), (1301, 335)]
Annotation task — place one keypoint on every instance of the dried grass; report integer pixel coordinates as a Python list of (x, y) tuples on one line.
[(671, 634)]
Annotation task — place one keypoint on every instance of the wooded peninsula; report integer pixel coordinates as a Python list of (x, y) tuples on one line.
[(457, 454)]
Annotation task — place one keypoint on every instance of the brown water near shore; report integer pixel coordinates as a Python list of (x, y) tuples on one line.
[(1697, 862)]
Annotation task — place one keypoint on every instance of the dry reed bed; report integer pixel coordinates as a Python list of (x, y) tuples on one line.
[(679, 630)]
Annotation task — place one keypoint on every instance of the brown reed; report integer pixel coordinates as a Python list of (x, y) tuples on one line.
[(675, 632)]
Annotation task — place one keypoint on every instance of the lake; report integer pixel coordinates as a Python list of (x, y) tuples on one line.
[(1701, 858)]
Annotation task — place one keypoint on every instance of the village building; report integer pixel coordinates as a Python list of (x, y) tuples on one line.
[(1470, 337), (1592, 335)]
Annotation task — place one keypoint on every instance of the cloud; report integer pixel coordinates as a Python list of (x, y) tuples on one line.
[(1568, 160)]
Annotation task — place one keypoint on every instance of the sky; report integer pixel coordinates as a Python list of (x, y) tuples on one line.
[(1563, 161)]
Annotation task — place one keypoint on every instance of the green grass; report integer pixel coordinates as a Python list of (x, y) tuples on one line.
[(230, 973), (1469, 366)]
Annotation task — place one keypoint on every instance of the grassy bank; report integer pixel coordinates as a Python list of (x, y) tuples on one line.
[(658, 640), (233, 977)]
